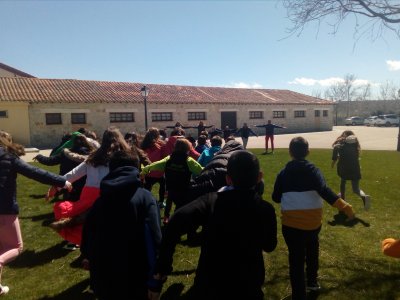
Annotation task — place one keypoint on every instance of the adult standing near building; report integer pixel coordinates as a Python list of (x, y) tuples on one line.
[(200, 128), (11, 164), (269, 134), (244, 133)]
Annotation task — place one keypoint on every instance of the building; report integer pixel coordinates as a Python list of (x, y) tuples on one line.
[(38, 111)]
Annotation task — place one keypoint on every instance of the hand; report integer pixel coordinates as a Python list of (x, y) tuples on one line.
[(85, 264), (153, 295), (50, 193), (35, 158), (68, 186)]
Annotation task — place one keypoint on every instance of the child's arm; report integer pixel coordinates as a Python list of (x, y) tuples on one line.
[(155, 166), (277, 192), (194, 166)]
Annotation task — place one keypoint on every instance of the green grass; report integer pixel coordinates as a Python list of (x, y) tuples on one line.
[(351, 263)]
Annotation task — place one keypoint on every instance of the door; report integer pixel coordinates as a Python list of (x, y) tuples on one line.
[(228, 118)]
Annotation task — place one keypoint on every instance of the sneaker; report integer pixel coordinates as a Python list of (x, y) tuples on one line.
[(367, 202), (71, 246), (4, 289), (60, 224), (313, 286)]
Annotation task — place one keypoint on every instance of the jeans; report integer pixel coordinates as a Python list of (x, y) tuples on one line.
[(303, 246)]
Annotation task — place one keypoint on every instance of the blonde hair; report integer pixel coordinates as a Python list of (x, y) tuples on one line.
[(7, 143)]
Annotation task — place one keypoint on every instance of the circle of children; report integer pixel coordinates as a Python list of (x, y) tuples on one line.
[(102, 197)]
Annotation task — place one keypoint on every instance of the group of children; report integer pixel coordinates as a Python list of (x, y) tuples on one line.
[(119, 209)]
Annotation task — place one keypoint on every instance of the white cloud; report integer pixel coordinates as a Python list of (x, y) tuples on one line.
[(243, 85), (393, 65), (326, 82)]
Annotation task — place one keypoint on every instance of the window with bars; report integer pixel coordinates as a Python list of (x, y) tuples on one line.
[(53, 118), (279, 114), (299, 113), (161, 116), (317, 113), (3, 114), (197, 116), (121, 117), (256, 115), (325, 113), (78, 118)]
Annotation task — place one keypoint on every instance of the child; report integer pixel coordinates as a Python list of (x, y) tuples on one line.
[(238, 226), (178, 168), (346, 151), (208, 154), (299, 188)]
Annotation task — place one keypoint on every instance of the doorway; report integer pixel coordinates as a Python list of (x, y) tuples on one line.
[(228, 118)]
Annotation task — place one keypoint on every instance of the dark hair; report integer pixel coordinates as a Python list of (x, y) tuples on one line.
[(202, 140), (111, 142), (182, 145), (178, 131), (243, 169), (298, 147), (122, 158), (151, 137), (80, 141), (132, 138), (216, 141), (230, 138), (163, 134)]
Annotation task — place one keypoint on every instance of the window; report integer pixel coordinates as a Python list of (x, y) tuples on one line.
[(116, 117), (78, 118), (317, 113), (256, 115), (3, 114), (196, 116), (299, 114), (279, 114), (53, 118), (162, 116), (325, 113)]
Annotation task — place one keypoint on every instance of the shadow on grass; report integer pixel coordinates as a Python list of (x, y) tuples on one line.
[(41, 196), (41, 217), (174, 291), (75, 292), (30, 258), (341, 219)]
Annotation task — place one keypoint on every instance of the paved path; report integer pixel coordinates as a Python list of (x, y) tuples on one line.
[(371, 138)]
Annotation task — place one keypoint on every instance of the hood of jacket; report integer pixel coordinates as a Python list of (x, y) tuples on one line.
[(351, 139), (120, 181)]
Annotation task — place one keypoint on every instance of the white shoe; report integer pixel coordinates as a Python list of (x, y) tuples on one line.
[(367, 202), (4, 290)]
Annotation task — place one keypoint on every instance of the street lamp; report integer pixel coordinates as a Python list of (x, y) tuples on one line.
[(145, 92)]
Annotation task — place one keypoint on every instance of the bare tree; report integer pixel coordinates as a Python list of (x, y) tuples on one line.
[(344, 90), (389, 91), (364, 92), (371, 16)]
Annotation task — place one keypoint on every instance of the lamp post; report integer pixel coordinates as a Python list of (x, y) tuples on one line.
[(145, 92)]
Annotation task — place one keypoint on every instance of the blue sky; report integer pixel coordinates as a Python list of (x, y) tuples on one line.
[(200, 43)]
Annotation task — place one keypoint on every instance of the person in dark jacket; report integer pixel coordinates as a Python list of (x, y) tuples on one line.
[(69, 159), (244, 133), (300, 188), (122, 234), (11, 165), (269, 134), (200, 128), (346, 152), (231, 264)]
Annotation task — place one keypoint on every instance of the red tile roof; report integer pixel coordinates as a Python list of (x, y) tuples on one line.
[(34, 90), (15, 71)]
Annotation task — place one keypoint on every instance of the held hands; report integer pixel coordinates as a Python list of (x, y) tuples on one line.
[(50, 193), (68, 186)]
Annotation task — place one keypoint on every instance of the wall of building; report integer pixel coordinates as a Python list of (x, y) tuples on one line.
[(16, 121), (97, 118)]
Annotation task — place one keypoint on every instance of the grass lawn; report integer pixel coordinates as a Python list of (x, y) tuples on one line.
[(351, 263)]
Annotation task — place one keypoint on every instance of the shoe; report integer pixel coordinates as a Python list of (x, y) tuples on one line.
[(166, 220), (60, 224), (367, 202), (313, 286), (71, 246), (4, 289)]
